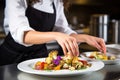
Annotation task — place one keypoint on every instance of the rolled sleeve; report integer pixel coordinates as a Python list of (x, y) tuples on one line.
[(18, 35), (16, 19)]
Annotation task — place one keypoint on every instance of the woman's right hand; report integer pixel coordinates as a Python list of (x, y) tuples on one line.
[(68, 44)]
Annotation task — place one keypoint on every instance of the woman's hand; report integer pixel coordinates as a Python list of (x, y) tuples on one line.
[(97, 42), (68, 44), (91, 40)]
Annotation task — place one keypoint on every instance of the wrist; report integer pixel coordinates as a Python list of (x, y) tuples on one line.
[(55, 35), (80, 37)]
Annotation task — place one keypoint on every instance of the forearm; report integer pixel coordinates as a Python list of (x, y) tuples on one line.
[(35, 37), (80, 37)]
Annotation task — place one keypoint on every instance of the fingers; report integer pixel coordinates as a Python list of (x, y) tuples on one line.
[(70, 45), (64, 49), (76, 48), (103, 45), (100, 45), (97, 42)]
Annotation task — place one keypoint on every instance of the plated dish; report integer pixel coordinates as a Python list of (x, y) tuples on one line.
[(56, 62), (107, 58), (55, 65), (27, 66)]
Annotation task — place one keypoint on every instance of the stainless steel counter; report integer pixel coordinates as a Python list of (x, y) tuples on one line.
[(109, 72)]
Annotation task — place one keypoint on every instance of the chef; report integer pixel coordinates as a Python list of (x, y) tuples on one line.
[(30, 24)]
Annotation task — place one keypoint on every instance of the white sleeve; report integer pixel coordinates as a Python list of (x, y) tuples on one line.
[(61, 24), (16, 20)]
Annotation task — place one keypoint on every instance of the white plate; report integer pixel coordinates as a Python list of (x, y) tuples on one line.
[(26, 66), (116, 61)]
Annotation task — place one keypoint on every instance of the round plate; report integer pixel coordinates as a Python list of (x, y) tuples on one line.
[(27, 66), (116, 61)]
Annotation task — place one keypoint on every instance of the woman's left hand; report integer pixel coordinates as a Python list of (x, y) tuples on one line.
[(91, 40), (97, 42)]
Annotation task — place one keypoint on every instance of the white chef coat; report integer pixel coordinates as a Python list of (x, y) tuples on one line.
[(17, 23)]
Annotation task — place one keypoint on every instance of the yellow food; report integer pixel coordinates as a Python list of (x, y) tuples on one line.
[(101, 56)]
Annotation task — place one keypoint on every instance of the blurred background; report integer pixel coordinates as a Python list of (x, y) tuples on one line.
[(2, 4), (99, 18)]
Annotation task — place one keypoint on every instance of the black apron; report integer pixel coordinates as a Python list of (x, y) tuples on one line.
[(12, 52)]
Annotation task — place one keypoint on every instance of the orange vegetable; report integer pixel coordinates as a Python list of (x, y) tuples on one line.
[(58, 67), (45, 66), (42, 65)]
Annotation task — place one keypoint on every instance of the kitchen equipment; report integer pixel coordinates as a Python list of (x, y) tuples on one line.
[(114, 31), (99, 26)]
